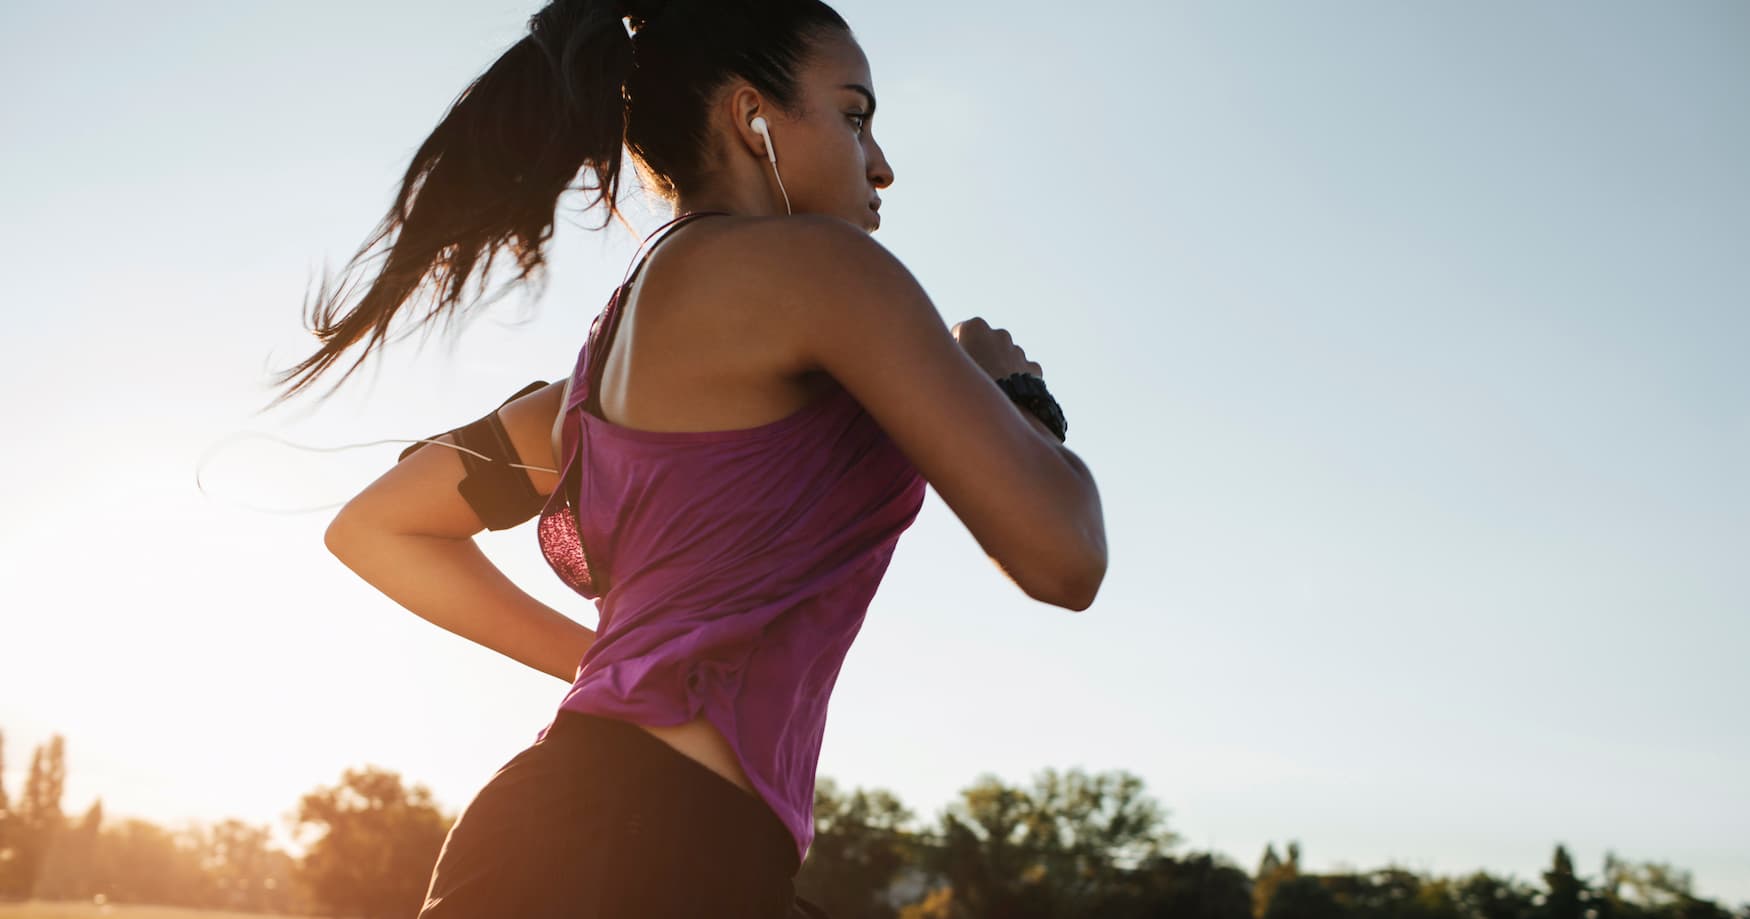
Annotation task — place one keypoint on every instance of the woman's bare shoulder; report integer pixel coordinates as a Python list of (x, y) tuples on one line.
[(742, 277), (772, 250)]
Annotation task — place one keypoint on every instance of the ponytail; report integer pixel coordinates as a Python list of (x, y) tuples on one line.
[(488, 178), (565, 98)]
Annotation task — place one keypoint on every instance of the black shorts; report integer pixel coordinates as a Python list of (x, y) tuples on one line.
[(601, 820)]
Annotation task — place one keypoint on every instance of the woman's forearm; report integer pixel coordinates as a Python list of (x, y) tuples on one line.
[(451, 583)]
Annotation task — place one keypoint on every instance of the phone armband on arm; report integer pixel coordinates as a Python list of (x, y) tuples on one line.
[(500, 493)]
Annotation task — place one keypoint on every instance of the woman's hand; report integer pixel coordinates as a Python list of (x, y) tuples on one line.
[(993, 349)]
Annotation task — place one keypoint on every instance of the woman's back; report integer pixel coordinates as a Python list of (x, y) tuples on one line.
[(691, 353), (731, 568)]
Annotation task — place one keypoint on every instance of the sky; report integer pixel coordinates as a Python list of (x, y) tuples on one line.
[(1404, 342)]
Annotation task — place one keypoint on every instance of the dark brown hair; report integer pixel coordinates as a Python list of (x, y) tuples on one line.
[(591, 76)]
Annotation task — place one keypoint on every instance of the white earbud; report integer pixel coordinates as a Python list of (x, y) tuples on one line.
[(759, 126)]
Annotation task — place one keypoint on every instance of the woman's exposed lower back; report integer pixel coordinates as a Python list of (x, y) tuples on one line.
[(700, 741)]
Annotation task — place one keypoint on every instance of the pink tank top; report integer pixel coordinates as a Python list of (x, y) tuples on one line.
[(731, 569)]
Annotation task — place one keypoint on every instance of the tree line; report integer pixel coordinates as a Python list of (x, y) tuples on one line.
[(1069, 844)]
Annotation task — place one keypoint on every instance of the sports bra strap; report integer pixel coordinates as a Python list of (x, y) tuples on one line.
[(657, 235), (610, 319)]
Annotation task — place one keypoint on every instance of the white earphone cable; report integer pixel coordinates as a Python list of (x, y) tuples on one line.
[(240, 435), (781, 188)]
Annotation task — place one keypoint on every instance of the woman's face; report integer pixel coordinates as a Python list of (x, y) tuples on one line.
[(828, 159)]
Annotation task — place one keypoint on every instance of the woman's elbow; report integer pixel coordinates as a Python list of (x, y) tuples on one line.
[(1081, 589), (341, 538), (1073, 589)]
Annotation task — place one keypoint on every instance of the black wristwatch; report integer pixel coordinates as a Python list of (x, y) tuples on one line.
[(1029, 392)]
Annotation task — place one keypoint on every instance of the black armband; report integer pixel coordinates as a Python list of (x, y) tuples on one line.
[(500, 494)]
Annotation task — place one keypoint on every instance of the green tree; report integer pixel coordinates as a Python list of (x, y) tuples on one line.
[(1092, 830), (138, 861), (1198, 886), (1065, 847), (1300, 896), (36, 819), (1272, 871), (240, 866), (377, 843), (1392, 893), (1567, 896), (8, 822), (985, 854), (937, 904), (1438, 897), (860, 845), (1480, 895), (1652, 890), (69, 868)]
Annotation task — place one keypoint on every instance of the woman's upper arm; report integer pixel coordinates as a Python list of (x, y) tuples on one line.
[(850, 308), (418, 495)]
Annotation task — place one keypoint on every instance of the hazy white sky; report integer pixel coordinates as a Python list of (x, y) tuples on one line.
[(1404, 340)]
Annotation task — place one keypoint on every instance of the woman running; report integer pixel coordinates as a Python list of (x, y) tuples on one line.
[(727, 468)]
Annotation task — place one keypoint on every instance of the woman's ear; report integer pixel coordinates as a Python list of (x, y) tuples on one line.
[(746, 104)]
